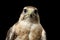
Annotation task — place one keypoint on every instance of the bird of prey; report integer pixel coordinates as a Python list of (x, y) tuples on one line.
[(28, 26)]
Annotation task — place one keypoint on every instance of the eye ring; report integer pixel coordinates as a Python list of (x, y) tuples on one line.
[(35, 11), (25, 10)]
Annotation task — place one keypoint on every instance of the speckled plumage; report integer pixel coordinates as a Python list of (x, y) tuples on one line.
[(28, 27)]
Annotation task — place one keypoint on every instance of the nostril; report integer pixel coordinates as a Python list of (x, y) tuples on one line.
[(31, 15)]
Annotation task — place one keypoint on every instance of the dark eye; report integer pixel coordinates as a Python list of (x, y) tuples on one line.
[(25, 10), (35, 11)]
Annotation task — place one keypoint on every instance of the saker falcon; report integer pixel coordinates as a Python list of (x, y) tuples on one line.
[(28, 26)]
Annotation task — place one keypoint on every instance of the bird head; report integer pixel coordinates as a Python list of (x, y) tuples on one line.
[(30, 13)]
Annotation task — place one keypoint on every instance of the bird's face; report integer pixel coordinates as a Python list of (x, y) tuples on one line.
[(30, 12)]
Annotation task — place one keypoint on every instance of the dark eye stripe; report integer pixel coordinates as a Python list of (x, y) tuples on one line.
[(25, 10)]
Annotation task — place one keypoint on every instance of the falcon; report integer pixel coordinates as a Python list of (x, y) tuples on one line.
[(28, 26)]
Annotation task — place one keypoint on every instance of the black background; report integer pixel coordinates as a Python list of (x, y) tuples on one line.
[(10, 12)]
